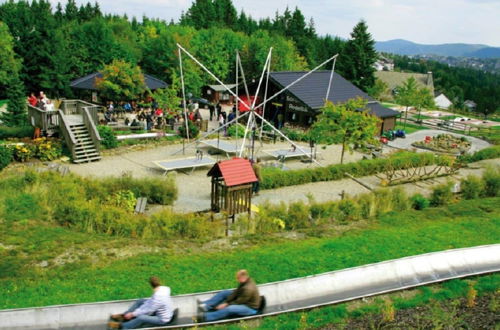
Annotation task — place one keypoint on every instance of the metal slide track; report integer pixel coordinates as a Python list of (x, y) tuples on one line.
[(285, 296)]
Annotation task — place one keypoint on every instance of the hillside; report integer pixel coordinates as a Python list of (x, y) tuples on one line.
[(405, 47)]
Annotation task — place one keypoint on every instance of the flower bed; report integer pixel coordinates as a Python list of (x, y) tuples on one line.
[(445, 143)]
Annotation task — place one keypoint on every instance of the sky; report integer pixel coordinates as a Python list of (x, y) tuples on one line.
[(421, 21)]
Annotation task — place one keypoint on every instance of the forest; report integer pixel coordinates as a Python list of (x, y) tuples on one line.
[(52, 46)]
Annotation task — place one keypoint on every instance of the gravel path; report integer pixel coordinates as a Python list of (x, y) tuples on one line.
[(476, 144)]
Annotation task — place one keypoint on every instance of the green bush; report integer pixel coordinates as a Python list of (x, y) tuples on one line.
[(419, 202), (108, 138), (471, 187), (5, 157), (231, 131), (275, 178), (193, 130), (491, 179), (400, 200), (486, 153), (367, 206), (16, 132), (442, 194), (348, 210), (158, 190)]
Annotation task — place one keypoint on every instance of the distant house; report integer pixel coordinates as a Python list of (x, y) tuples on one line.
[(384, 64), (218, 93), (303, 101), (442, 102), (470, 105), (394, 80)]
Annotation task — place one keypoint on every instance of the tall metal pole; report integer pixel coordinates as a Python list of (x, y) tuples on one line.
[(183, 95), (265, 95)]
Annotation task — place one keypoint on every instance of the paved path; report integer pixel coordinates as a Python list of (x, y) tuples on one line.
[(476, 144)]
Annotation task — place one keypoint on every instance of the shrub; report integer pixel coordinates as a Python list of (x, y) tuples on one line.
[(5, 157), (275, 178), (419, 202), (167, 224), (231, 131), (471, 187), (108, 138), (297, 216), (486, 153), (47, 150), (491, 179), (348, 210), (383, 201), (367, 206), (16, 132), (400, 199), (157, 190), (193, 130), (21, 207), (442, 194), (23, 152)]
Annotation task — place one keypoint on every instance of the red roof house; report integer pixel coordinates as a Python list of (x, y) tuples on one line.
[(234, 172), (232, 187)]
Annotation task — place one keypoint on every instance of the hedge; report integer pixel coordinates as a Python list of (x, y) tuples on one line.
[(16, 132), (5, 157), (275, 178)]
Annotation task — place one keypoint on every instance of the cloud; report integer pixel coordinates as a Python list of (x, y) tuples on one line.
[(424, 21)]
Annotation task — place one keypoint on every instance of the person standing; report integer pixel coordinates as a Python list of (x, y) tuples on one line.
[(257, 170), (154, 311), (243, 301), (211, 108), (32, 100)]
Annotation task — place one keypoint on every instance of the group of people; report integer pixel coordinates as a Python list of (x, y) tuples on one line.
[(158, 310), (151, 116), (41, 101)]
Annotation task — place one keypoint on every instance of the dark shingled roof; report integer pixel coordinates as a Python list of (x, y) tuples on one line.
[(88, 82), (312, 90)]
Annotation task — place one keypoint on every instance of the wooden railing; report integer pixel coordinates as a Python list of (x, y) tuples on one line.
[(69, 137), (90, 124), (75, 107), (44, 120)]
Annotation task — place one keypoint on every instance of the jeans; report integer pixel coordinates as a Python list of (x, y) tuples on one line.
[(141, 320), (256, 187), (231, 310)]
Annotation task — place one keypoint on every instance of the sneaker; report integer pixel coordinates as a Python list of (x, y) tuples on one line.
[(202, 305), (200, 316), (118, 317), (114, 325)]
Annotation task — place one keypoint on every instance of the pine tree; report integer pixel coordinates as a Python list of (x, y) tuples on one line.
[(16, 114), (358, 57)]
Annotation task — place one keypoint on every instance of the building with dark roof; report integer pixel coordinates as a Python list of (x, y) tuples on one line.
[(88, 82), (304, 100)]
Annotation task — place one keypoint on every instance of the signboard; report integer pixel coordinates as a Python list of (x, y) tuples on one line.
[(295, 105)]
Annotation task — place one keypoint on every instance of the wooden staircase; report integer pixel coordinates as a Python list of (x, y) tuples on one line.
[(85, 149), (76, 121)]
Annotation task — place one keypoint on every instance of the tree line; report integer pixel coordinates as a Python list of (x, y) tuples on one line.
[(56, 45)]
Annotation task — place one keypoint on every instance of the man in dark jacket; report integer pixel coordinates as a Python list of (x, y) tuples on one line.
[(243, 301)]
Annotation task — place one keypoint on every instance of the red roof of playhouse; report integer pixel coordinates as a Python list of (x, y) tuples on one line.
[(235, 171)]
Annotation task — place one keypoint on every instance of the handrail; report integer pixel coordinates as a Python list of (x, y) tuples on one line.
[(289, 295), (91, 127), (67, 133)]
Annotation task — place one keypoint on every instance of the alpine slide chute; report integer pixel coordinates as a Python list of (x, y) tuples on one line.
[(285, 296)]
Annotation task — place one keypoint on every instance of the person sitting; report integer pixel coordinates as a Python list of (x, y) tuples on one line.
[(154, 311), (243, 301), (127, 107)]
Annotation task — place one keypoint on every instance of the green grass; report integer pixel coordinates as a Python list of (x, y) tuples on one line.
[(394, 235), (450, 117), (410, 128)]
